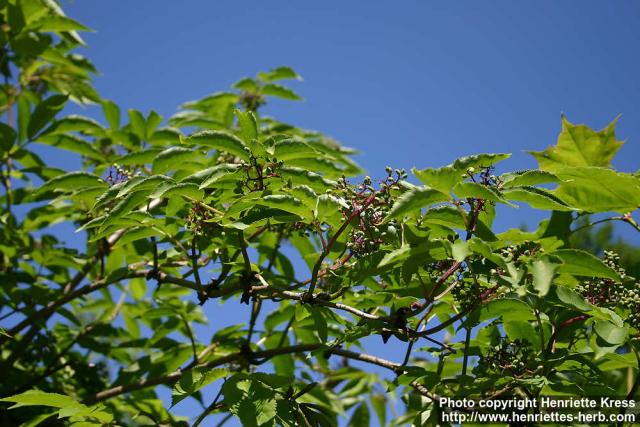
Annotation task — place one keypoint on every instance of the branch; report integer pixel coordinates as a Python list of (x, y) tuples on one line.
[(393, 366), (52, 306), (267, 354), (175, 375)]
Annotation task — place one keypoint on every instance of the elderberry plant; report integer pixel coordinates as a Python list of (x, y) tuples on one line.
[(224, 209)]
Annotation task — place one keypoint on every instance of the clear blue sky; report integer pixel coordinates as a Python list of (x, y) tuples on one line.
[(409, 83)]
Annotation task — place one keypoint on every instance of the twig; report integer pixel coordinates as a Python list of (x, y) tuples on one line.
[(285, 331), (210, 408), (194, 263), (465, 358), (552, 341), (177, 374), (600, 221)]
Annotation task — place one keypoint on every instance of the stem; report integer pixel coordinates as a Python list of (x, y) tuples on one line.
[(629, 220), (636, 383), (552, 341), (255, 312), (542, 338), (194, 262), (243, 250), (600, 221), (191, 338), (224, 420), (465, 359), (332, 241), (210, 408), (286, 331)]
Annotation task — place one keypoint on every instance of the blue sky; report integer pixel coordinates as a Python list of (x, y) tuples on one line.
[(408, 83)]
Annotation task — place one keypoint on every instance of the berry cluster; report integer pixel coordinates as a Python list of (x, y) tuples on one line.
[(487, 177), (251, 101), (257, 175), (198, 219), (369, 206), (467, 293), (611, 294), (516, 253), (508, 357), (118, 174)]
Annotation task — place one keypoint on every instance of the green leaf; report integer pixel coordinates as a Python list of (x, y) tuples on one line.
[(71, 143), (68, 406), (361, 416), (426, 250), (58, 23), (572, 299), (172, 158), (287, 203), (248, 125), (478, 191), (299, 176), (442, 179), (73, 181), (279, 73), (414, 200), (219, 172), (543, 271), (193, 380), (578, 145), (521, 330), (44, 113), (151, 124), (580, 263), (24, 115), (246, 84), (594, 189), (379, 403), (509, 309), (39, 398), (126, 205), (537, 198), (146, 183), (279, 91), (527, 178), (138, 158), (111, 113), (445, 215), (7, 137), (184, 189), (221, 141), (319, 321), (138, 286), (609, 332), (445, 178), (460, 250), (137, 124), (289, 149), (74, 123)]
